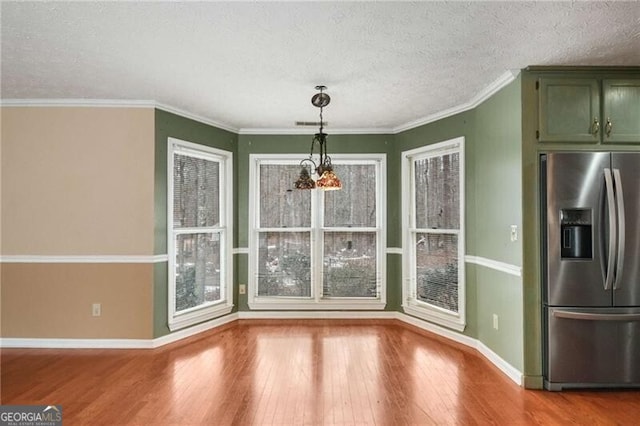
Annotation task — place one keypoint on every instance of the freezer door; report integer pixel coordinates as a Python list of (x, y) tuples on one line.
[(592, 348), (575, 185), (626, 172)]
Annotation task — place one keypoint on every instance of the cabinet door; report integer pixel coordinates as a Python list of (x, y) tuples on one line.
[(621, 112), (569, 110)]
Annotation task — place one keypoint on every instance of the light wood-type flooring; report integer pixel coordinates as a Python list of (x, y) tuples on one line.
[(296, 373)]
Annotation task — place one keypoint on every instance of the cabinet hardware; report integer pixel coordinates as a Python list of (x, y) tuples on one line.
[(608, 127), (595, 128)]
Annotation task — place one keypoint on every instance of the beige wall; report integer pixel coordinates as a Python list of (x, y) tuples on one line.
[(54, 300), (76, 182)]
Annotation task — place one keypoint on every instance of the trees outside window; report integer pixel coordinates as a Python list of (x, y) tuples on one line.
[(311, 249), (199, 216), (433, 229)]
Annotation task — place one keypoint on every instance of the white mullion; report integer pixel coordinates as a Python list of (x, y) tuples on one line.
[(413, 259), (317, 249), (171, 238), (222, 192), (222, 220), (408, 208), (380, 170), (253, 234)]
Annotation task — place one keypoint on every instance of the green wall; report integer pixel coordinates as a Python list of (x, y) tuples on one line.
[(498, 192), (498, 187), (501, 294), (171, 125)]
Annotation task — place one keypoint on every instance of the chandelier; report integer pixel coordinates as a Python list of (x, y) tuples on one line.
[(327, 179)]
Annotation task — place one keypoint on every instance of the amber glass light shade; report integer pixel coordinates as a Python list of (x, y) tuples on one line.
[(329, 181), (304, 181)]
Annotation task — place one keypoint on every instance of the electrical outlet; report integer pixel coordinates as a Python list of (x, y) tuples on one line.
[(242, 289), (495, 321), (96, 309), (514, 233)]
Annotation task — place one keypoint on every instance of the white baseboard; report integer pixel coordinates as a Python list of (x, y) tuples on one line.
[(192, 331), (7, 342), (436, 329), (510, 371)]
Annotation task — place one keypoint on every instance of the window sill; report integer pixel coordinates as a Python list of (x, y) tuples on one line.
[(451, 321), (325, 305), (194, 317)]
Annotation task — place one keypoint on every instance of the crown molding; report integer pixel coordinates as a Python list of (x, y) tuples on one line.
[(312, 130), (114, 103), (484, 94), (196, 117)]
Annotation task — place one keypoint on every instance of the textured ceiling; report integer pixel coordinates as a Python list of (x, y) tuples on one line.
[(254, 65)]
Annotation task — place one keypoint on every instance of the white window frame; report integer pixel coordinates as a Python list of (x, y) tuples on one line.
[(316, 301), (207, 311), (411, 304)]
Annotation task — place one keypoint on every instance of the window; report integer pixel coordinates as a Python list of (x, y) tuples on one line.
[(433, 229), (199, 216), (313, 249)]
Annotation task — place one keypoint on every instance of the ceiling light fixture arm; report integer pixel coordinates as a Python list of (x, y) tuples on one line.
[(327, 180)]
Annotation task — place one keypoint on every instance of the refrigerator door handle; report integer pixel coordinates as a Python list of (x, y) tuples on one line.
[(595, 317), (612, 228), (621, 228)]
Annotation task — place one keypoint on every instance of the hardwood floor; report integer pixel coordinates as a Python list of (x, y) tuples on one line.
[(296, 373)]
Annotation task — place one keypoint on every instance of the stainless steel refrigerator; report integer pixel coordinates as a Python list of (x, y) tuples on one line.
[(590, 205)]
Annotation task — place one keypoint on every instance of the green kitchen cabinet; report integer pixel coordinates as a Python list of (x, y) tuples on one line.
[(588, 110), (569, 110), (621, 111)]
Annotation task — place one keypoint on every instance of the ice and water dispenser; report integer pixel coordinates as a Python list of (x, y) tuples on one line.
[(576, 240)]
